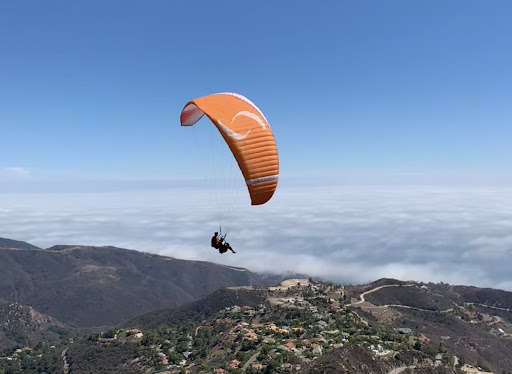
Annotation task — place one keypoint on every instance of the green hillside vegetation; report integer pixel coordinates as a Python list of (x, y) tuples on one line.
[(292, 329)]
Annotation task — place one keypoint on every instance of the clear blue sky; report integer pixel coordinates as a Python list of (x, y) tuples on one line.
[(96, 87)]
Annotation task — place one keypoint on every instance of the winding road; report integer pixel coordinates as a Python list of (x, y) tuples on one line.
[(492, 307), (250, 361), (393, 305), (65, 360), (375, 289)]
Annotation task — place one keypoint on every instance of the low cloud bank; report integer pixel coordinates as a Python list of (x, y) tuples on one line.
[(345, 234)]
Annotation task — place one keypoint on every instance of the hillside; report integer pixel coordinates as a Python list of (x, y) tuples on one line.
[(201, 309), (98, 287), (16, 244), (160, 313), (23, 326), (355, 358), (302, 326), (474, 323)]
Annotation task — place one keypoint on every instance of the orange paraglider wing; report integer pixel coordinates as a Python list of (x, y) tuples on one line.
[(247, 133)]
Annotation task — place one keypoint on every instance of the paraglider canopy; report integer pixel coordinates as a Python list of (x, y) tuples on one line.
[(248, 135)]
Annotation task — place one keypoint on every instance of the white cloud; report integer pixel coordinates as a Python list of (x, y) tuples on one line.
[(347, 234), (16, 172)]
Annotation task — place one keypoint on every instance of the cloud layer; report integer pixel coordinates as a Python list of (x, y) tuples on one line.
[(346, 234), (15, 172)]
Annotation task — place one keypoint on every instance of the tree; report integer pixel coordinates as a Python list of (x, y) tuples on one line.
[(149, 338), (482, 364), (94, 337), (175, 357), (110, 333), (247, 345)]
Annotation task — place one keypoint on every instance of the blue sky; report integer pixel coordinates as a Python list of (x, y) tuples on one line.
[(357, 93), (348, 86)]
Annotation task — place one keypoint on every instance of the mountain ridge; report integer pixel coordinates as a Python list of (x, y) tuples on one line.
[(97, 288), (16, 244), (90, 287)]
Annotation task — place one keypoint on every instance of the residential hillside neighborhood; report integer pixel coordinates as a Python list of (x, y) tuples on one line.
[(300, 321)]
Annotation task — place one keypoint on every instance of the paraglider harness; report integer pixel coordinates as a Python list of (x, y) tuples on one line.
[(221, 239)]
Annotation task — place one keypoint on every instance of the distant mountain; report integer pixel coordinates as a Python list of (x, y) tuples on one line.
[(487, 296), (16, 244), (98, 287)]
